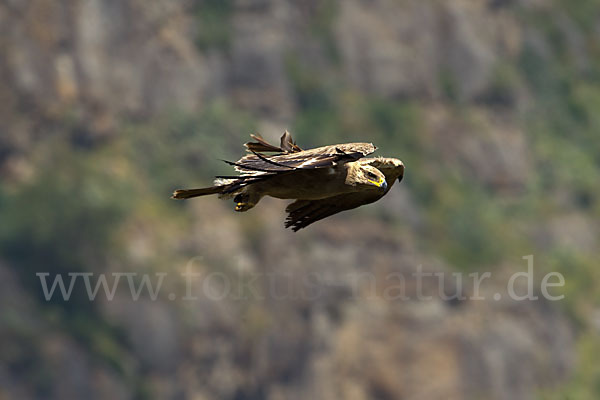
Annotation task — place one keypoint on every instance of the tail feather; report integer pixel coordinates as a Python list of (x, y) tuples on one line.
[(189, 193)]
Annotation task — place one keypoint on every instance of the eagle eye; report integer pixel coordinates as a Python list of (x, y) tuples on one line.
[(371, 175)]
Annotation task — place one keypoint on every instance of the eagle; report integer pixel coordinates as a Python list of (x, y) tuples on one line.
[(323, 181)]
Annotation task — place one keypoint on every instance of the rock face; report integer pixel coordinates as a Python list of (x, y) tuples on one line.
[(354, 338), (132, 57), (463, 41), (104, 59), (89, 65), (337, 319)]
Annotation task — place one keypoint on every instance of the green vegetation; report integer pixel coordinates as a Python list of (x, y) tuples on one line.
[(322, 19), (70, 217), (214, 25), (62, 221)]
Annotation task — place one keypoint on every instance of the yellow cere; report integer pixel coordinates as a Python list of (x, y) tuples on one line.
[(377, 183)]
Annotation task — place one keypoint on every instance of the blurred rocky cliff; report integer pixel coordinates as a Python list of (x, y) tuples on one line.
[(106, 106), (104, 61)]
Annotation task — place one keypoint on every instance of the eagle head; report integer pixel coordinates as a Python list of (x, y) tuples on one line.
[(366, 176)]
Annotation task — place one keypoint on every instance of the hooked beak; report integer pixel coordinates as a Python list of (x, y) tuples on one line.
[(383, 185)]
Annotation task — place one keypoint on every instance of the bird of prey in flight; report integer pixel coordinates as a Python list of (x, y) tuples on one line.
[(323, 181)]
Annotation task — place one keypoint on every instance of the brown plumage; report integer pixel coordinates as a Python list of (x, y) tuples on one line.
[(323, 181)]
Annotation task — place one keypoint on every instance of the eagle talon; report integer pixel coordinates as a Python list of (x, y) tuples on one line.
[(243, 206)]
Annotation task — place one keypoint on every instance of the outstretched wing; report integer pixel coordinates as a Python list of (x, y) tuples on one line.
[(291, 157), (302, 213), (321, 157)]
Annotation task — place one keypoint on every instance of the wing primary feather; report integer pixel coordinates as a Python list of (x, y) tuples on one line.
[(288, 144), (303, 212), (265, 159), (296, 205), (246, 166), (315, 215), (261, 145)]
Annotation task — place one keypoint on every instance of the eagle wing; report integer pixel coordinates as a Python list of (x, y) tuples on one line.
[(287, 144), (320, 157), (290, 158), (302, 213)]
